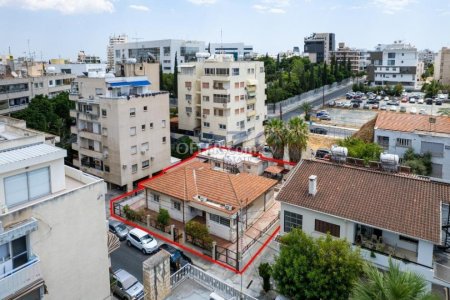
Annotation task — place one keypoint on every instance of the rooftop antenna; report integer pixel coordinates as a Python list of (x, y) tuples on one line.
[(136, 38), (221, 43)]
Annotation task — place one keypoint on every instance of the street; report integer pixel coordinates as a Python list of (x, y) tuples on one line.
[(128, 258)]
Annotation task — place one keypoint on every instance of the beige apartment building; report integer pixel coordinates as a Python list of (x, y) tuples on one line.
[(442, 66), (53, 234), (122, 129), (220, 99), (344, 53)]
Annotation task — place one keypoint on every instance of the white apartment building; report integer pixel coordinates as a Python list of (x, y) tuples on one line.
[(238, 50), (162, 50), (223, 100), (427, 56), (396, 133), (114, 40), (392, 64), (122, 128), (90, 70), (53, 235), (442, 66)]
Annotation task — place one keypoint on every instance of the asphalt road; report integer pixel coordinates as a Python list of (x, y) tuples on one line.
[(130, 259)]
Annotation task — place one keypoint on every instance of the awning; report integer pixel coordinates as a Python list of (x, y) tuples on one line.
[(187, 66), (274, 169), (252, 81), (130, 83)]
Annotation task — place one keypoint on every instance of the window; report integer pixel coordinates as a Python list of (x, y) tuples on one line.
[(151, 125), (144, 146), (27, 186), (105, 131), (188, 97), (391, 55), (325, 227), (403, 143), (98, 91), (222, 126), (220, 220), (236, 85), (235, 72), (145, 164), (163, 123), (436, 149), (188, 85), (407, 239), (436, 170), (206, 111), (166, 51), (391, 62), (236, 111), (188, 109), (261, 69), (205, 124), (236, 98), (106, 168), (242, 84), (205, 98), (104, 113), (145, 108), (132, 131), (176, 205), (133, 149), (242, 110), (155, 197), (383, 141), (210, 71), (251, 71), (205, 85), (164, 139), (217, 164), (292, 220), (134, 168), (143, 127), (242, 97), (222, 71)]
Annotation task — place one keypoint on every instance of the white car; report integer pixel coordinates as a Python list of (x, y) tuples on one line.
[(339, 103), (379, 98), (392, 108), (412, 100), (420, 101), (142, 240), (386, 98), (413, 110), (422, 111), (347, 104)]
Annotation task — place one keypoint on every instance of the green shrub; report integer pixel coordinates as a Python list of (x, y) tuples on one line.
[(357, 148), (199, 232), (419, 163), (133, 215), (163, 217), (264, 271)]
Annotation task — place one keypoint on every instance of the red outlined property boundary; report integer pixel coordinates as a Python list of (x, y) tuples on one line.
[(181, 246)]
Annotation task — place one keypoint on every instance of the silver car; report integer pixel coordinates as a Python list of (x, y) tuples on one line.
[(119, 229), (126, 286)]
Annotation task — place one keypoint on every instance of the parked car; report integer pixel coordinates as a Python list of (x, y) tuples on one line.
[(404, 100), (356, 105), (412, 100), (142, 240), (331, 103), (422, 111), (321, 112), (438, 102), (318, 130), (339, 104), (324, 117), (420, 101), (323, 153), (413, 110), (379, 98), (126, 286), (429, 101), (347, 105), (177, 258), (386, 98), (393, 108), (402, 109), (392, 102), (375, 106), (118, 228), (383, 107), (366, 106)]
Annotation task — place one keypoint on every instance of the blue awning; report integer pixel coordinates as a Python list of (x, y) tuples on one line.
[(130, 83)]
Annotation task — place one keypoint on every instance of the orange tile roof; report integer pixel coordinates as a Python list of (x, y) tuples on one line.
[(197, 178), (406, 205), (274, 169), (411, 123)]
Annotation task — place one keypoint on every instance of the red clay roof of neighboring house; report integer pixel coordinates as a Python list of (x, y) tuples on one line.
[(402, 204), (274, 169), (411, 123), (197, 178)]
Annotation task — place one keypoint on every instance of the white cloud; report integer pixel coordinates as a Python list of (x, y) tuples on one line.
[(392, 6), (139, 7), (63, 6), (272, 6), (202, 2)]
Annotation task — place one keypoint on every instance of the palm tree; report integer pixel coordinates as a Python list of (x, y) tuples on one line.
[(307, 108), (391, 285), (275, 132), (297, 138), (444, 112)]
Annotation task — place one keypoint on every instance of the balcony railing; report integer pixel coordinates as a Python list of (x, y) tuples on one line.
[(19, 278)]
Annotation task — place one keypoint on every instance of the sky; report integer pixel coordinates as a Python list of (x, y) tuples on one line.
[(60, 28)]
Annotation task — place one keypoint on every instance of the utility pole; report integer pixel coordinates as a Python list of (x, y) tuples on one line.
[(323, 95)]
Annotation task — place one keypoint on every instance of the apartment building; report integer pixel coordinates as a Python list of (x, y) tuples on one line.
[(442, 66), (90, 70), (396, 133), (343, 54), (427, 56), (53, 235), (392, 64), (238, 50), (223, 100), (319, 46), (114, 40), (386, 215), (162, 51), (84, 58), (122, 128)]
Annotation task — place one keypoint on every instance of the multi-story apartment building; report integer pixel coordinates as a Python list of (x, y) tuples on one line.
[(16, 93), (223, 100), (343, 54), (427, 56), (90, 70), (84, 58), (53, 235), (392, 64), (238, 50), (114, 40), (122, 128), (319, 46), (442, 66), (162, 50)]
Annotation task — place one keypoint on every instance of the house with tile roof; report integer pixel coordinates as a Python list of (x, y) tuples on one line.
[(387, 215), (398, 132), (214, 197)]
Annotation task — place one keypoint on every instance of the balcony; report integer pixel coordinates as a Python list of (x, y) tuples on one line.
[(251, 101), (91, 170), (73, 130), (75, 146), (86, 116), (251, 113), (87, 134), (89, 151), (28, 274), (73, 113)]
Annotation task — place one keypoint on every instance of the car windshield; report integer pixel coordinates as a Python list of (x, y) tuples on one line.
[(146, 239), (120, 227), (129, 282)]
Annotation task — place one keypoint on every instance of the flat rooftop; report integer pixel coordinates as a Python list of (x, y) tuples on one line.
[(228, 156), (189, 289)]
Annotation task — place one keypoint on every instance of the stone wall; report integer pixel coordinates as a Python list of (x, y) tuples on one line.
[(157, 276)]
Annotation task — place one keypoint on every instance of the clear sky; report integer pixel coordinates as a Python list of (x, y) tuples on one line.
[(60, 28)]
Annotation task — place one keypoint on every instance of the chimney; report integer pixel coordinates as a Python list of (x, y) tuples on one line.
[(313, 185)]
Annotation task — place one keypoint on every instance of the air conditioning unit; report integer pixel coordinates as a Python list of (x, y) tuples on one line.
[(152, 158), (142, 151), (189, 101), (204, 116), (228, 207), (188, 114), (124, 167)]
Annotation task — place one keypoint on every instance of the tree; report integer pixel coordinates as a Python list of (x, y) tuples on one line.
[(184, 148), (398, 89), (357, 148), (175, 76), (431, 89), (391, 285), (307, 109), (264, 271), (419, 163), (297, 138), (163, 217), (444, 112), (323, 268), (275, 132)]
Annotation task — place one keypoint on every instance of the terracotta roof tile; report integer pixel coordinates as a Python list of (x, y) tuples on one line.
[(397, 203), (411, 123)]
